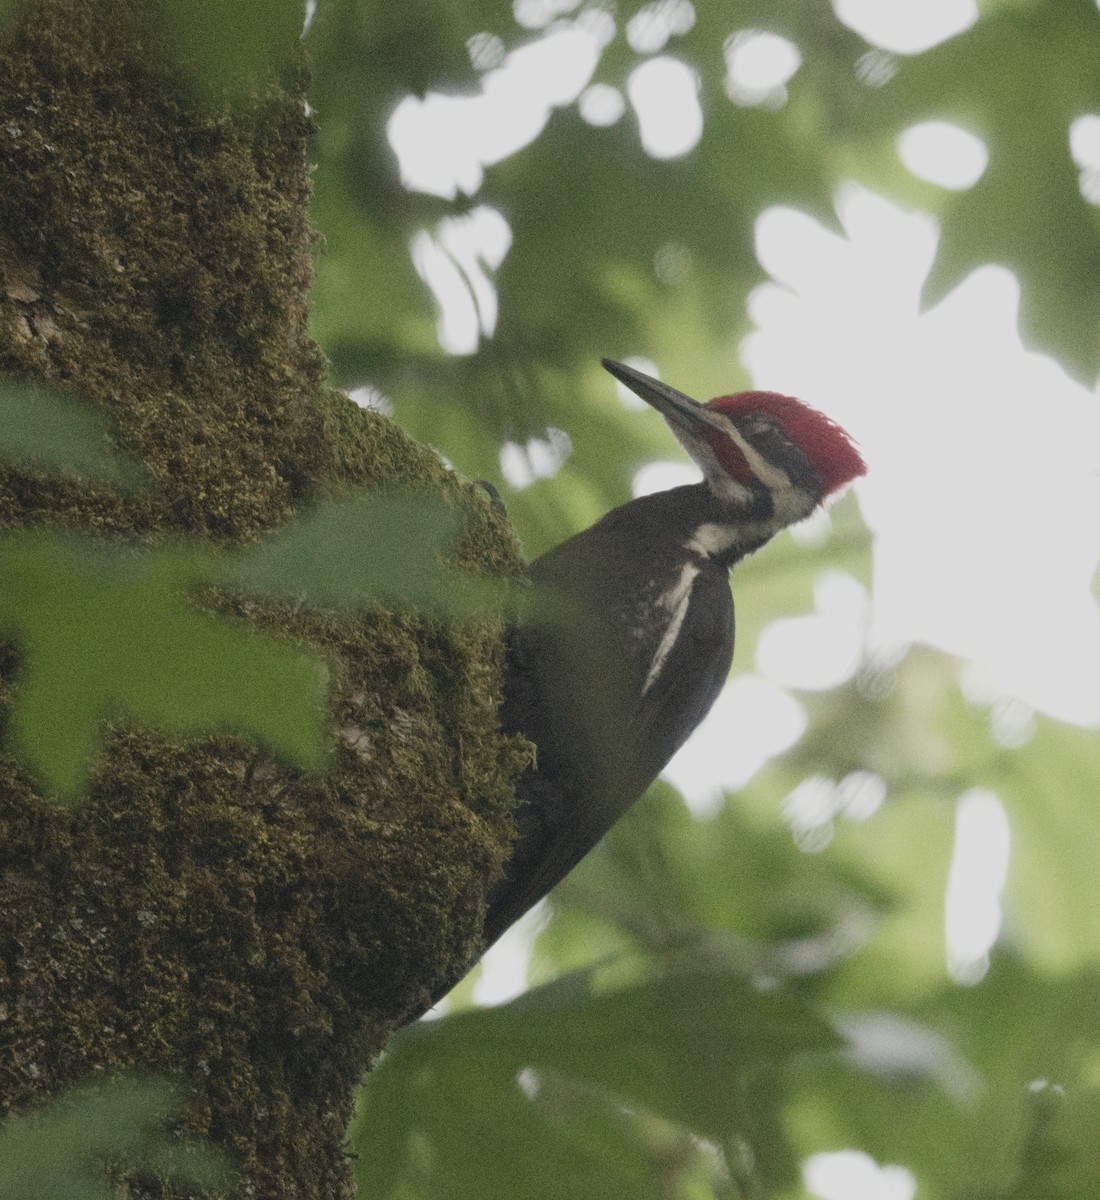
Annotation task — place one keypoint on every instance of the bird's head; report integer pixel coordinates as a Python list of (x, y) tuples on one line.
[(755, 445)]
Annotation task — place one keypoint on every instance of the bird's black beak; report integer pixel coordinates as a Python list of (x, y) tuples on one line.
[(680, 411)]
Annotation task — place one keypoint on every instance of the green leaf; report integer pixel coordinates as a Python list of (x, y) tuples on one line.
[(733, 889), (1049, 788), (58, 1152), (970, 1088), (697, 1052), (107, 632), (361, 550), (55, 432), (1059, 1159), (233, 45)]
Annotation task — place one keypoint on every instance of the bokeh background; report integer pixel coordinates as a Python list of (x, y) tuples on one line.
[(849, 947)]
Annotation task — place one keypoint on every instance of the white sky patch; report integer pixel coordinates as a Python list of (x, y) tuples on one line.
[(983, 488), (944, 154), (853, 1175), (1012, 723), (369, 397), (813, 807), (662, 475), (537, 14), (906, 26), (505, 964), (627, 398), (457, 327), (454, 264), (758, 67), (443, 143), (821, 650), (664, 94), (1084, 140), (979, 870), (538, 458), (810, 804), (601, 104), (486, 50), (876, 68), (650, 28), (887, 1044), (766, 719), (1084, 146)]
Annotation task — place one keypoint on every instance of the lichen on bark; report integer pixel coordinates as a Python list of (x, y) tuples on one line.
[(207, 912)]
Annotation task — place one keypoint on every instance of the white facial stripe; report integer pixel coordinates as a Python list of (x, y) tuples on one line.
[(676, 600), (718, 477), (721, 482), (789, 503), (771, 477)]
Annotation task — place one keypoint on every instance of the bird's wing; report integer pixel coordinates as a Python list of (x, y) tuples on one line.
[(572, 799), (688, 678)]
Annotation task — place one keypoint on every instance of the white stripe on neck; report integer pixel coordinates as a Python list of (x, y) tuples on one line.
[(676, 600)]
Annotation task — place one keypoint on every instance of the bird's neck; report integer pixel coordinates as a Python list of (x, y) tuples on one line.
[(656, 535), (714, 530)]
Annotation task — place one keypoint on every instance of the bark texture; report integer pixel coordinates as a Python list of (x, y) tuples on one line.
[(206, 912)]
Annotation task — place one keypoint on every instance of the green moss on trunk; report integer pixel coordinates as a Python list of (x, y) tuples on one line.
[(207, 913)]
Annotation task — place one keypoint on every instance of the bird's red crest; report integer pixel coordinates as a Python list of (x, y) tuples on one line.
[(828, 447)]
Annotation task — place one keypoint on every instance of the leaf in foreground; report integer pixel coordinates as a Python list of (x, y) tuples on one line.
[(101, 633), (57, 1153), (58, 433), (233, 45), (351, 551), (564, 1093)]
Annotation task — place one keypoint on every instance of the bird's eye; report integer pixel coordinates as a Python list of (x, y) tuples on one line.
[(760, 423), (766, 433)]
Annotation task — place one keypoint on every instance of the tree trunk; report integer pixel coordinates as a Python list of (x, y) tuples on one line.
[(206, 912)]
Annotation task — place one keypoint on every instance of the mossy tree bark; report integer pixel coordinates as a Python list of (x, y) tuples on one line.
[(206, 912)]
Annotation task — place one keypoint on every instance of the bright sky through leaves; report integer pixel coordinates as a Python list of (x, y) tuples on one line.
[(983, 491), (842, 328), (1014, 439)]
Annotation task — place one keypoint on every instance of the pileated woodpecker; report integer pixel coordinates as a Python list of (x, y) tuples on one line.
[(639, 637), (634, 638)]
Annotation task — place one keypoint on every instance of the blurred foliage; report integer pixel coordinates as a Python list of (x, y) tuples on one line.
[(232, 46), (103, 628), (1017, 80), (389, 548), (105, 631), (44, 429), (63, 1152), (720, 997), (625, 254), (698, 974), (984, 1091), (578, 1093)]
